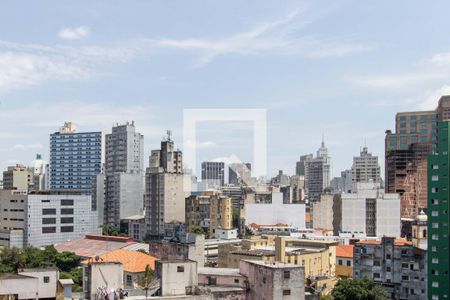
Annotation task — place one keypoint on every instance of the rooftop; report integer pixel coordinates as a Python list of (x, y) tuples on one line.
[(398, 242), (219, 271), (94, 245), (273, 265), (344, 251), (9, 276), (132, 261)]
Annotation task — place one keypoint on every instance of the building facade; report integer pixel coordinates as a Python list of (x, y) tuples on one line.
[(319, 173), (74, 158), (239, 174), (438, 217), (366, 168), (213, 174), (394, 264), (55, 217), (164, 190), (371, 212), (124, 189), (17, 177)]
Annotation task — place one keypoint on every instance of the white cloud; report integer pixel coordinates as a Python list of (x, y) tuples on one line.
[(201, 145), (441, 59), (432, 97), (74, 33)]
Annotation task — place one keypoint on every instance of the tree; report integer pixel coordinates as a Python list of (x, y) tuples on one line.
[(66, 261), (11, 259), (236, 217), (358, 289), (326, 297), (197, 230), (147, 280)]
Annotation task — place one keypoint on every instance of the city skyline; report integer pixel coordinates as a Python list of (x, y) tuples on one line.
[(306, 63)]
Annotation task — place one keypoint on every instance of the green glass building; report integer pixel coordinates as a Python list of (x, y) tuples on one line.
[(438, 216)]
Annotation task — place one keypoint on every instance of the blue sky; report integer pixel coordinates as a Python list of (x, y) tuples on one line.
[(338, 68)]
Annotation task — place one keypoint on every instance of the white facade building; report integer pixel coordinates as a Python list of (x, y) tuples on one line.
[(275, 212), (371, 212), (55, 217)]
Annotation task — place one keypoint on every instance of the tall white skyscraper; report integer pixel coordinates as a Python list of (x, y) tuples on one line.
[(124, 163)]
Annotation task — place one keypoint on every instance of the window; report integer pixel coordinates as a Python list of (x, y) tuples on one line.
[(287, 274), (65, 202), (349, 263), (434, 272), (435, 237), (435, 260), (433, 248), (48, 229), (46, 279), (435, 178), (434, 189), (376, 275), (129, 280), (435, 167), (66, 228), (286, 292), (405, 277), (49, 211), (434, 201), (435, 225), (376, 262), (49, 221), (388, 269), (340, 262), (67, 211), (434, 213), (236, 280), (66, 220), (435, 284), (388, 256), (180, 269)]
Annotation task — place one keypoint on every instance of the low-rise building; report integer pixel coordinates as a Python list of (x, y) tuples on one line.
[(177, 277), (134, 264), (393, 263), (17, 177), (344, 261), (317, 257), (102, 279), (273, 280)]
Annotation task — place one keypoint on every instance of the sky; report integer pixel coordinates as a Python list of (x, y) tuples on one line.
[(338, 69)]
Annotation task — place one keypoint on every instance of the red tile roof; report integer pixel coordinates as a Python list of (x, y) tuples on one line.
[(344, 251), (132, 261)]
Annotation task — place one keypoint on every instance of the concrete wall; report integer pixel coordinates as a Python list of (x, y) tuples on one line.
[(102, 275), (276, 212), (25, 288), (268, 281), (45, 289), (176, 276)]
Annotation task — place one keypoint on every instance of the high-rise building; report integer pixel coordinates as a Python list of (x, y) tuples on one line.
[(318, 173), (75, 157), (366, 168), (164, 190), (213, 173), (17, 177), (438, 216), (239, 173), (344, 183), (406, 152), (124, 165), (301, 167)]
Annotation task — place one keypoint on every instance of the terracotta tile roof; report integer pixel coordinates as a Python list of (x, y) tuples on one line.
[(132, 261), (398, 242), (344, 251), (257, 226)]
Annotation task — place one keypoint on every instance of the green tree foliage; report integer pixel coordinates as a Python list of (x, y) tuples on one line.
[(66, 261), (365, 289), (236, 217), (197, 230), (147, 280), (112, 231), (76, 274)]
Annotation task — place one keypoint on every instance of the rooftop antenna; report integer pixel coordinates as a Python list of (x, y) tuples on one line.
[(323, 140), (169, 134)]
